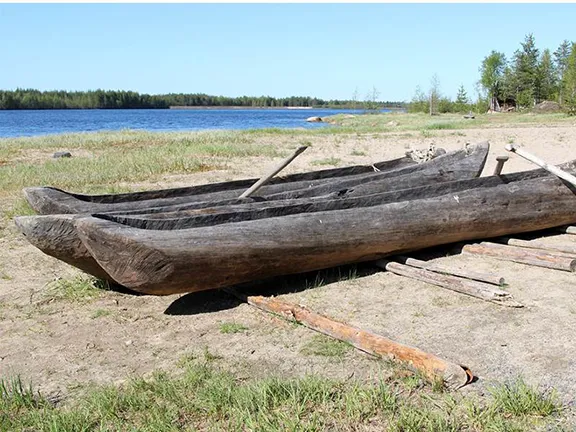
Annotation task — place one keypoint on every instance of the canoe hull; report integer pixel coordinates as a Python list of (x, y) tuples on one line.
[(168, 262)]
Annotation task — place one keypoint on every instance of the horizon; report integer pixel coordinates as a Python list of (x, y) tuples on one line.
[(326, 51)]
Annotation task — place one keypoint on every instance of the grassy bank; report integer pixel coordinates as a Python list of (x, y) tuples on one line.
[(204, 397)]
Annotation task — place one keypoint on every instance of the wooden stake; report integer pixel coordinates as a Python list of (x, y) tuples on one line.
[(543, 164), (522, 255), (464, 286), (263, 180), (535, 244), (437, 268), (455, 376), (500, 161)]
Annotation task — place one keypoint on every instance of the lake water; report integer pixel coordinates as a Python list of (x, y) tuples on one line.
[(43, 122)]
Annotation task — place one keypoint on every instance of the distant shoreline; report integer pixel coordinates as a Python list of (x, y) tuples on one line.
[(274, 108)]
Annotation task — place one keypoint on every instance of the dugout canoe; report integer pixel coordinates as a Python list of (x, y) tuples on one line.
[(56, 235), (163, 262), (51, 200)]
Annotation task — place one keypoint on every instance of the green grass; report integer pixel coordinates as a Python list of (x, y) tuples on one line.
[(325, 346), (231, 327), (202, 396), (126, 156), (518, 398), (328, 161), (80, 288)]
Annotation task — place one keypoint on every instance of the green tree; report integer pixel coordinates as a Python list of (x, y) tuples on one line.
[(462, 103), (548, 85), (561, 62), (419, 102), (525, 70), (434, 94), (491, 74), (569, 82)]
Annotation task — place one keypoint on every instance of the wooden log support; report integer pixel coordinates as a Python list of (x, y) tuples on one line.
[(522, 255), (567, 229), (500, 161), (438, 268), (262, 181), (542, 163), (454, 375), (535, 244), (464, 286)]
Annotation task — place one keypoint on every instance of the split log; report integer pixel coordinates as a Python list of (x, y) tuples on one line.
[(252, 189), (535, 244), (454, 375), (464, 286), (522, 256), (438, 268), (542, 163)]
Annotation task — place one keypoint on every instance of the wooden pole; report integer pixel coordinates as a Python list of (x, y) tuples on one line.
[(437, 268), (535, 244), (500, 161), (543, 164), (464, 286), (522, 255), (455, 376), (263, 180)]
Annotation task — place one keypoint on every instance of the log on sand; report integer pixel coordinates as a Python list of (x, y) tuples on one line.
[(438, 268), (455, 376), (472, 288), (521, 255)]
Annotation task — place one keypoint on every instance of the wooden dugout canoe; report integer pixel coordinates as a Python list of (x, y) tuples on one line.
[(50, 200), (56, 235), (194, 259)]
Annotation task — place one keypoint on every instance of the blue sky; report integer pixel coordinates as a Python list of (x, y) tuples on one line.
[(322, 50)]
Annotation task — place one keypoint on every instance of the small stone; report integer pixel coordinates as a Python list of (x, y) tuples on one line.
[(314, 119), (128, 342), (62, 154)]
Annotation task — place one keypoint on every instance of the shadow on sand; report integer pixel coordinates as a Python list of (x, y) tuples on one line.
[(218, 300)]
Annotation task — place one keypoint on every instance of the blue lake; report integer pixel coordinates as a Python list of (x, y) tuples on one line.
[(43, 122)]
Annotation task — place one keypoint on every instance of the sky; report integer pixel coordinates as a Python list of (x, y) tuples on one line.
[(330, 51)]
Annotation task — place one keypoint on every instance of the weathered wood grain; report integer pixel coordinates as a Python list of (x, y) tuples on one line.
[(438, 268), (433, 367), (521, 255), (171, 261)]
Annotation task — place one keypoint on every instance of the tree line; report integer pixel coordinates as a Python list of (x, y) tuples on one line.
[(518, 82), (20, 99)]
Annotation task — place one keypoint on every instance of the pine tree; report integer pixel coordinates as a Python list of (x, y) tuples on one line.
[(561, 62), (569, 82), (546, 78), (462, 101), (526, 73)]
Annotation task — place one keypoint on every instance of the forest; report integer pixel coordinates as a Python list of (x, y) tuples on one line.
[(519, 82), (21, 99)]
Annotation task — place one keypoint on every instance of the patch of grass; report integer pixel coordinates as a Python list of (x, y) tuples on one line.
[(78, 289), (441, 126), (231, 327), (328, 161), (98, 313), (518, 398), (126, 156), (325, 346), (358, 153), (204, 397)]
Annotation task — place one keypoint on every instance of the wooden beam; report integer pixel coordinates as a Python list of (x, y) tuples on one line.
[(438, 268), (542, 163), (454, 375), (535, 244), (464, 286), (522, 255), (252, 189)]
